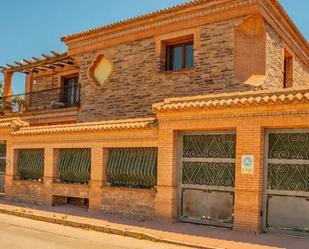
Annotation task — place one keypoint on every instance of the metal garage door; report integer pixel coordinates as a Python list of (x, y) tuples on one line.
[(207, 177), (287, 192)]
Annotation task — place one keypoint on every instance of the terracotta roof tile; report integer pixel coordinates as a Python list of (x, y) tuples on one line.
[(236, 99), (183, 6), (14, 123), (135, 19), (89, 126)]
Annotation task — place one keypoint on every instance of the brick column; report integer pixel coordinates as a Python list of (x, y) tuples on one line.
[(11, 169), (7, 90), (98, 177), (50, 170), (249, 188), (28, 90), (166, 197)]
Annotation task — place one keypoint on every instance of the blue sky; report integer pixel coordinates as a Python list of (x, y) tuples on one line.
[(32, 27)]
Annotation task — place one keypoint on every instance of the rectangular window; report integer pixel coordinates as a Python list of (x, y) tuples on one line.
[(30, 164), (70, 91), (179, 55), (132, 167)]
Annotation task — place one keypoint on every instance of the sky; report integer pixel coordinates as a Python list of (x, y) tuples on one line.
[(30, 28)]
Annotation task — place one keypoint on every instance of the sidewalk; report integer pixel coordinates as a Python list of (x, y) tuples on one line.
[(197, 236)]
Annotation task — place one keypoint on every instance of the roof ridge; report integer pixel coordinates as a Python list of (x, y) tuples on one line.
[(275, 91), (138, 123), (93, 123), (136, 18), (233, 99)]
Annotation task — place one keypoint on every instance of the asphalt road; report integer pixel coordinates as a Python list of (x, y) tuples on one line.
[(16, 232)]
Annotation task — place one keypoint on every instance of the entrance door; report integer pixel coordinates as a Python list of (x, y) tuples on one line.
[(2, 164), (287, 190), (207, 178)]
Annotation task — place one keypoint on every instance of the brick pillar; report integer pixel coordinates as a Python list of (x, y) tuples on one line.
[(50, 170), (11, 169), (249, 187), (28, 90), (7, 90), (166, 197), (98, 177)]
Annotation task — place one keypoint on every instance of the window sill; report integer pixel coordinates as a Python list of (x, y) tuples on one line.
[(71, 184), (28, 181), (183, 70), (110, 188)]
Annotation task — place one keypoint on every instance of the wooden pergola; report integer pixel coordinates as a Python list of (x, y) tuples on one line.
[(47, 62)]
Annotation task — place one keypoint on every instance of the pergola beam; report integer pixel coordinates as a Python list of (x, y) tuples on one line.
[(46, 56), (55, 53), (46, 62), (18, 63), (36, 59), (28, 62), (49, 61)]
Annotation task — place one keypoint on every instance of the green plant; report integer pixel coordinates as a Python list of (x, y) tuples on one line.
[(18, 103)]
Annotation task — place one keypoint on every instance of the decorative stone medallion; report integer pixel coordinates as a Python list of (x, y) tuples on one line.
[(100, 70)]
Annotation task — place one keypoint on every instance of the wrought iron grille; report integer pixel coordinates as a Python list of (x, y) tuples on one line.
[(289, 177), (132, 167), (289, 146), (212, 174), (30, 164), (2, 149), (288, 169), (210, 146), (74, 165), (54, 98), (209, 159), (2, 156)]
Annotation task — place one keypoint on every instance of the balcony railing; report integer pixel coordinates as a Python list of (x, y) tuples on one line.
[(48, 99)]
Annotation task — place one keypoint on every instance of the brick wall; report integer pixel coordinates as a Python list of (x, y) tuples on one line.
[(247, 121), (137, 82), (275, 63), (26, 191), (274, 59), (132, 203), (301, 73)]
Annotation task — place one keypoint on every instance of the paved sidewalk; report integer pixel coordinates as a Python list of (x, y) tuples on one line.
[(177, 233)]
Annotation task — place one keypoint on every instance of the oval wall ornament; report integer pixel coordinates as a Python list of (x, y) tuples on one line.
[(100, 70)]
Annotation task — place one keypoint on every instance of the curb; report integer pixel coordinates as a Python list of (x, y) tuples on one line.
[(104, 229)]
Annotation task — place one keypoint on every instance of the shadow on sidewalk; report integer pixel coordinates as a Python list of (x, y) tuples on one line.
[(197, 232)]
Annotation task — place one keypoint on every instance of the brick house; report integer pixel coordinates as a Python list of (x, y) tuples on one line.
[(195, 113)]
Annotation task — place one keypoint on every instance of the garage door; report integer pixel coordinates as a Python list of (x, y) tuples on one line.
[(287, 192), (207, 178)]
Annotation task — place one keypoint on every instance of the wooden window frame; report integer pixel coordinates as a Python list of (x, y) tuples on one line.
[(63, 97), (180, 43)]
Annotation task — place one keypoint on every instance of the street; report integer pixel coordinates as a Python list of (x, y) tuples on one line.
[(16, 232)]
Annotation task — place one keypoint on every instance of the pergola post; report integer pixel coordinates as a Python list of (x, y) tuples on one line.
[(7, 91)]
